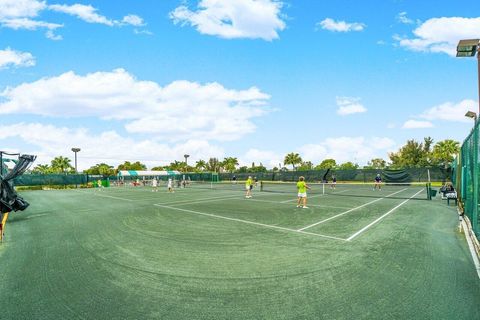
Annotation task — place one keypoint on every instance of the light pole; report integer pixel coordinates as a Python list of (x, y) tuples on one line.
[(76, 150), (468, 48), (186, 157)]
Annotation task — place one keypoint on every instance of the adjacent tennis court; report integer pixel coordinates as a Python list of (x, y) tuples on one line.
[(209, 253)]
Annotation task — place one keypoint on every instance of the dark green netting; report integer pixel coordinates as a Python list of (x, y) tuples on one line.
[(466, 177), (357, 175)]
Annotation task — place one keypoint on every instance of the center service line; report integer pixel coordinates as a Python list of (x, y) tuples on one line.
[(353, 209), (380, 218)]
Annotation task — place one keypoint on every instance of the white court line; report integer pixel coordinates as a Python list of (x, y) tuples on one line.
[(310, 205), (250, 222), (348, 211), (380, 218), (197, 201), (476, 263), (113, 197)]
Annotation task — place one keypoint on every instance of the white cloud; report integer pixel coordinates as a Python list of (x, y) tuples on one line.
[(449, 111), (343, 149), (86, 13), (442, 34), (416, 124), (50, 141), (268, 158), (179, 111), (340, 26), (9, 57), (234, 18), (10, 9), (21, 14), (402, 18), (147, 32), (28, 24), (133, 20), (52, 36), (349, 105)]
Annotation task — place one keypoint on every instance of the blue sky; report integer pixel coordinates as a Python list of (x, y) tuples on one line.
[(253, 79)]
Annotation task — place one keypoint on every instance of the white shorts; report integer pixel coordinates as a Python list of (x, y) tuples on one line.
[(247, 188), (302, 194)]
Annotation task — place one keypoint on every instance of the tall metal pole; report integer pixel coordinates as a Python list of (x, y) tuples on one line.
[(76, 170), (75, 150), (478, 73), (475, 178)]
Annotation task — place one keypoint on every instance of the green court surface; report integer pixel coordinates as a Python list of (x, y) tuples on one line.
[(130, 253)]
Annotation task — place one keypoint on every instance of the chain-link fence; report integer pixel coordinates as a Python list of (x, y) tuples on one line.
[(466, 177)]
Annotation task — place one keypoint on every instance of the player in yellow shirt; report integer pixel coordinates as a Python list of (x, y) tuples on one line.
[(302, 193), (249, 187)]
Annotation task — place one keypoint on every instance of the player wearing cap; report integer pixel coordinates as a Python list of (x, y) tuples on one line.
[(378, 182)]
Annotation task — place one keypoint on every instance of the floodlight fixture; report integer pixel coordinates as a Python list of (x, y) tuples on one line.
[(471, 114), (467, 48), (75, 150)]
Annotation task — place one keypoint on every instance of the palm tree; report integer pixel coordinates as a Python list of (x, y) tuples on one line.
[(444, 151), (61, 164), (213, 165), (230, 164), (200, 165), (42, 169), (293, 159), (177, 165)]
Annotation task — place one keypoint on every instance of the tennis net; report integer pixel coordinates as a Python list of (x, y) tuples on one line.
[(220, 185), (411, 190)]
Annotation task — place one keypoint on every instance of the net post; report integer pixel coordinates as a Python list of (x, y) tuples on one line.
[(261, 185), (429, 190)]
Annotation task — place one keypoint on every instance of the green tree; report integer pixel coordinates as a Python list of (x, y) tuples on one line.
[(101, 168), (213, 165), (305, 166), (293, 159), (200, 165), (127, 165), (326, 164), (348, 166), (243, 169), (259, 168), (377, 163), (426, 159), (42, 169), (158, 168), (412, 154), (61, 165), (177, 165), (445, 151), (230, 164)]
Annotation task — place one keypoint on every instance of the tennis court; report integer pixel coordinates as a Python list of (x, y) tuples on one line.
[(200, 253)]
